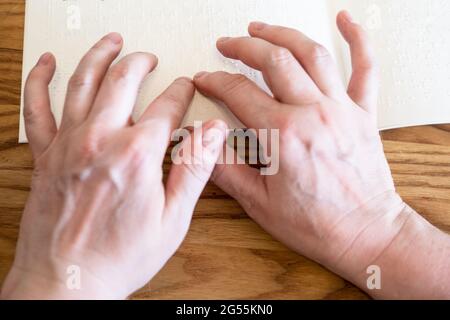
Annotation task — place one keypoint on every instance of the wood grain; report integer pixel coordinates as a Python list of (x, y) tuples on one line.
[(225, 254)]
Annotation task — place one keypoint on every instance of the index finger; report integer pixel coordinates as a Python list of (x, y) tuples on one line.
[(284, 75), (169, 109), (245, 99)]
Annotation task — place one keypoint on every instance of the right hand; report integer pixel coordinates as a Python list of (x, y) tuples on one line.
[(333, 199)]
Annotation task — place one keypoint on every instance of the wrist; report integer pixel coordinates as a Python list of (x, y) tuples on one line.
[(415, 265), (411, 255), (24, 285), (361, 235)]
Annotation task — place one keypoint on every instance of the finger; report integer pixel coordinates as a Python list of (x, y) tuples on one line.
[(192, 168), (169, 109), (85, 82), (118, 92), (316, 59), (363, 88), (166, 113), (245, 99), (284, 75), (39, 120)]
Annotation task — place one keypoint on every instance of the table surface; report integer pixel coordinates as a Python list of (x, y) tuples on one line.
[(225, 255)]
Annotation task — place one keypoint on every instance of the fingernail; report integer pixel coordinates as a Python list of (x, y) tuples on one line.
[(200, 75), (223, 39), (114, 37), (45, 59), (214, 137), (257, 25), (348, 16)]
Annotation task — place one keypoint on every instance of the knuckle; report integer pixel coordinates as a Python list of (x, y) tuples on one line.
[(31, 113), (88, 146), (293, 140), (290, 34), (120, 73), (100, 51), (278, 56), (317, 53), (288, 127), (81, 80), (234, 83), (369, 64), (366, 65)]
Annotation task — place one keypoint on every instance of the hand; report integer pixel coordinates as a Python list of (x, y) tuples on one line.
[(98, 202), (333, 199)]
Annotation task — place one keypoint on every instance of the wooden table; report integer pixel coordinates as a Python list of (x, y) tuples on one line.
[(225, 256)]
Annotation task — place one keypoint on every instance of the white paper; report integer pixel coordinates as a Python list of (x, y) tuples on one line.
[(411, 38), (182, 33), (412, 42)]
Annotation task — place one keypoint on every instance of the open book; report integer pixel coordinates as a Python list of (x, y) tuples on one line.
[(412, 40)]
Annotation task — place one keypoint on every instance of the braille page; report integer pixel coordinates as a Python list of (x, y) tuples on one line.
[(181, 32), (412, 41)]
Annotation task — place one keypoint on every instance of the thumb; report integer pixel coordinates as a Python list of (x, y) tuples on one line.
[(193, 163), (240, 181)]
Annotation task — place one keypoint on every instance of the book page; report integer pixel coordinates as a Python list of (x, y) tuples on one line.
[(412, 42), (182, 33)]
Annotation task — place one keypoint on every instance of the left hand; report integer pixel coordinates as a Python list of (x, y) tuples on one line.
[(97, 201)]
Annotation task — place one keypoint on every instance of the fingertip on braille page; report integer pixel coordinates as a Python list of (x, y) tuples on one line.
[(114, 37), (45, 59), (258, 25), (347, 16)]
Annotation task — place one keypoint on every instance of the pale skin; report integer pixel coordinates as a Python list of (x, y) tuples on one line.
[(98, 200)]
